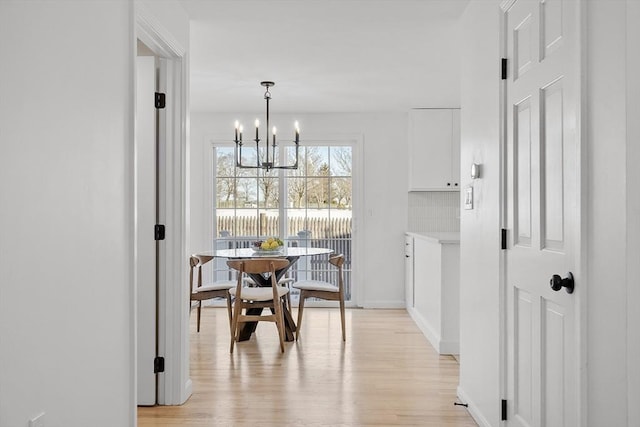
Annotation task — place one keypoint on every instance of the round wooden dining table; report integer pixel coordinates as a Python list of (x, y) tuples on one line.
[(290, 253)]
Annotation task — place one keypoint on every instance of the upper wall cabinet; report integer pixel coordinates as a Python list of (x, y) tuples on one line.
[(434, 149)]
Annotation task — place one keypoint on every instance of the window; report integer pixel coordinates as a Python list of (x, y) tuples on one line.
[(309, 206)]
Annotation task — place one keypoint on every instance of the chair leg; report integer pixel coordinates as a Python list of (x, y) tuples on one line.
[(280, 321), (234, 323), (342, 318), (230, 312), (199, 308), (300, 308)]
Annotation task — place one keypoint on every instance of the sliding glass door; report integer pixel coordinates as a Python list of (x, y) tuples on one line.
[(310, 206), (318, 208)]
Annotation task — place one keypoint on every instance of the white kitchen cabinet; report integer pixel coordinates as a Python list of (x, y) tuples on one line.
[(436, 283), (408, 270), (434, 149)]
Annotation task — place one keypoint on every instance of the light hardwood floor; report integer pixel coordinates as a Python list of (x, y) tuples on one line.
[(386, 374)]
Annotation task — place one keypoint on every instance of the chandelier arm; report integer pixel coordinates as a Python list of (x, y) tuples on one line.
[(239, 159)]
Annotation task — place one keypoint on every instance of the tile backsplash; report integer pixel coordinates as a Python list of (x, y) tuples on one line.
[(434, 211)]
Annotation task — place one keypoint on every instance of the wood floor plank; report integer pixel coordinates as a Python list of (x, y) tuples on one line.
[(386, 374)]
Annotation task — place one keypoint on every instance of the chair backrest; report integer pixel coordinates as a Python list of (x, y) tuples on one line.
[(338, 261), (195, 272), (258, 266)]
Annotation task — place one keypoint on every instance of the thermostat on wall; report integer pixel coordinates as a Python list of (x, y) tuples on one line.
[(475, 171)]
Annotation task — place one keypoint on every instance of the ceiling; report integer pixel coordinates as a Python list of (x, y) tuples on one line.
[(324, 55)]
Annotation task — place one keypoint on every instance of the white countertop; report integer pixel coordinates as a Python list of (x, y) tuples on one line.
[(439, 237)]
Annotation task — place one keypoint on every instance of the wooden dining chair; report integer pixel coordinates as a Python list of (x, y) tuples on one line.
[(284, 281), (322, 290), (247, 298), (199, 292)]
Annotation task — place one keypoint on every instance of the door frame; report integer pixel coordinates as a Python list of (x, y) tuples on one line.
[(174, 386), (580, 230), (633, 206)]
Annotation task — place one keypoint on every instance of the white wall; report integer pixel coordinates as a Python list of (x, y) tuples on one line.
[(66, 131), (613, 231), (384, 196), (633, 210), (479, 228), (65, 309)]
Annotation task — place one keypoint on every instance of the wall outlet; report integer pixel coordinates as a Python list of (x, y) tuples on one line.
[(37, 421)]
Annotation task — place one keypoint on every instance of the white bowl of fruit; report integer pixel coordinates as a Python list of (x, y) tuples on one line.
[(272, 244)]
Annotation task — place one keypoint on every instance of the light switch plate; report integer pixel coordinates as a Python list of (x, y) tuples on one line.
[(468, 198)]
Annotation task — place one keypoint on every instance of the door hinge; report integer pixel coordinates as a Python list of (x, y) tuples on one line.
[(503, 66), (160, 100), (503, 238), (158, 365), (504, 410), (158, 231)]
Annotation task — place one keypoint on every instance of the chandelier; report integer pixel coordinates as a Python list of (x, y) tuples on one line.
[(269, 151)]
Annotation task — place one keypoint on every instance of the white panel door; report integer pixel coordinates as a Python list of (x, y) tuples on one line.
[(145, 202), (543, 214)]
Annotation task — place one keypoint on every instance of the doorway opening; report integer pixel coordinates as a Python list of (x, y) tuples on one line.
[(147, 206), (160, 199)]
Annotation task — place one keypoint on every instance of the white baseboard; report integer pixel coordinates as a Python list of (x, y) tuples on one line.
[(449, 347), (384, 304), (426, 329), (473, 409), (442, 347)]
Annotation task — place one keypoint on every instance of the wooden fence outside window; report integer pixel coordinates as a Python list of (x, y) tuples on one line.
[(332, 233), (270, 226)]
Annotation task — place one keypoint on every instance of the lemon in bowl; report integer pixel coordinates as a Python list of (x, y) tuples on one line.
[(271, 244)]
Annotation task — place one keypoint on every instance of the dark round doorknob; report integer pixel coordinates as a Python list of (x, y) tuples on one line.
[(558, 283)]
